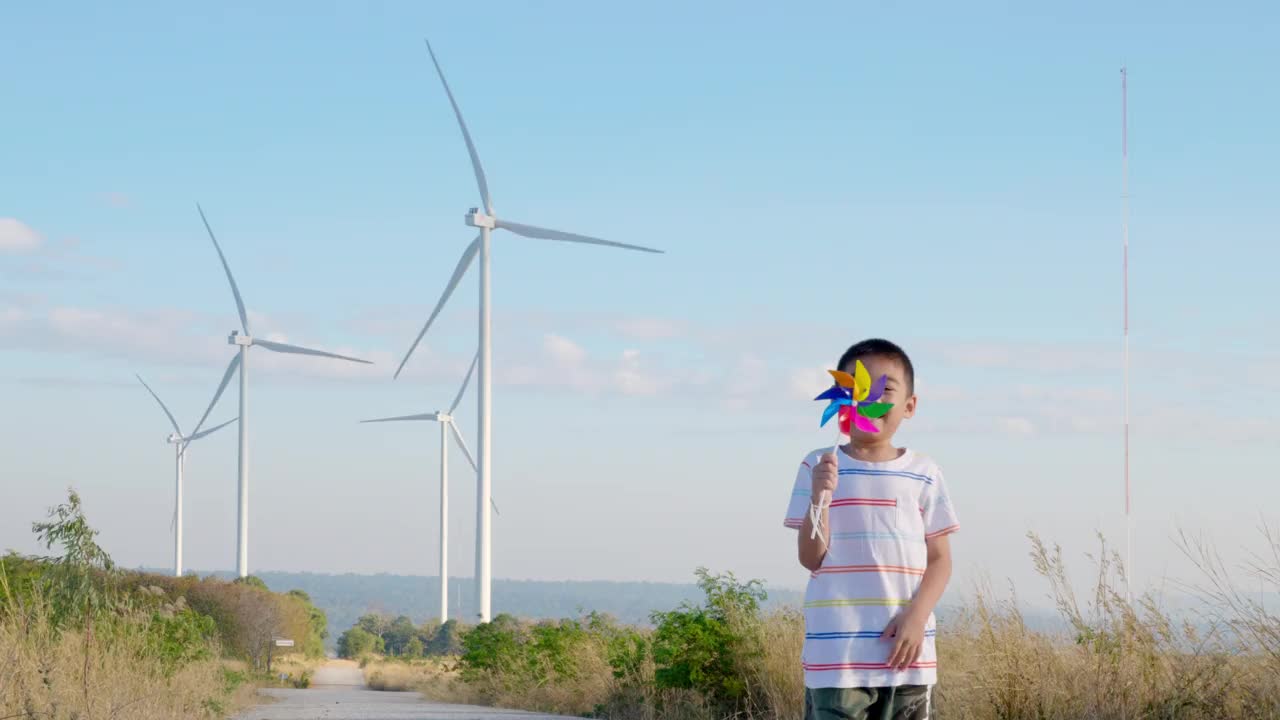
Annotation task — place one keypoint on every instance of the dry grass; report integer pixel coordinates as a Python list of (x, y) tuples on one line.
[(1119, 660), (104, 674), (397, 675)]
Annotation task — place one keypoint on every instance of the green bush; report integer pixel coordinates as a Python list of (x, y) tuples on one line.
[(493, 647), (357, 642), (181, 637), (447, 639), (414, 648), (698, 648), (625, 648)]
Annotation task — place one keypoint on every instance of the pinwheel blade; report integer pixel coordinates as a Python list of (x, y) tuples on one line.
[(877, 389), (874, 410), (835, 392), (828, 413), (864, 424), (861, 381), (843, 379)]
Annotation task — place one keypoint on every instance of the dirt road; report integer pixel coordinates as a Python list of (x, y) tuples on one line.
[(337, 693)]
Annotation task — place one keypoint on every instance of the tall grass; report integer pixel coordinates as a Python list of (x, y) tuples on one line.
[(1118, 659), (116, 667), (82, 640)]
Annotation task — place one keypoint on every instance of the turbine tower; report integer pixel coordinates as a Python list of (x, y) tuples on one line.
[(448, 426), (241, 361), (180, 443), (1124, 195), (486, 221)]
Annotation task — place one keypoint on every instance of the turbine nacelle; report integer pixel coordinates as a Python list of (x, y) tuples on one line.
[(477, 219), (235, 338)]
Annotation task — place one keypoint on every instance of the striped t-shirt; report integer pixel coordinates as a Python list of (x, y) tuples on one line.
[(881, 514)]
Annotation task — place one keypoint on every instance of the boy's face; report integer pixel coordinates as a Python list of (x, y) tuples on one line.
[(896, 391)]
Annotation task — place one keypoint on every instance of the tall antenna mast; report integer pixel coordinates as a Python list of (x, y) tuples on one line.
[(1124, 195)]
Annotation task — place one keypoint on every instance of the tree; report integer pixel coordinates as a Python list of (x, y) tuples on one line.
[(372, 623), (318, 625), (447, 639), (397, 635), (356, 642), (73, 592), (413, 648)]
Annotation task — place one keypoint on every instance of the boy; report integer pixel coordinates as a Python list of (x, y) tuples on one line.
[(879, 561)]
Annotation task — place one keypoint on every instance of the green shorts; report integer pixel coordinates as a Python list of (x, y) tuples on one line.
[(904, 702)]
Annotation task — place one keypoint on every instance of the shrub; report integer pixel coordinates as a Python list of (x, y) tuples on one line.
[(699, 647), (357, 642)]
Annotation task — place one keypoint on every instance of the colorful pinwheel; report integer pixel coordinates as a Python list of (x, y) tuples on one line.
[(855, 399)]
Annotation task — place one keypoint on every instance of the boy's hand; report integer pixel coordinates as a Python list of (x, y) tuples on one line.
[(825, 476), (906, 632)]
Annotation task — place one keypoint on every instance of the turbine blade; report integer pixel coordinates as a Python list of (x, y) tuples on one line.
[(210, 431), (423, 416), (244, 317), (467, 381), (226, 378), (494, 505), (464, 262), (542, 233), (172, 421), (462, 445), (298, 350), (466, 135)]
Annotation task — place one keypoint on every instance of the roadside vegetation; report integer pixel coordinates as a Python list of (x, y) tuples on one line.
[(81, 639), (729, 657)]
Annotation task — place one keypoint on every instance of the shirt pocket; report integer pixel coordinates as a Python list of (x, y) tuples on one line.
[(909, 518)]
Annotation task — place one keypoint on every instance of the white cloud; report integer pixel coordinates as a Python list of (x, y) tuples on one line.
[(11, 317), (632, 379), (806, 383), (1019, 426), (650, 328), (16, 237), (563, 351), (117, 199), (1032, 356)]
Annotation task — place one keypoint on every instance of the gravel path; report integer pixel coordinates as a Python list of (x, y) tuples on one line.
[(339, 694)]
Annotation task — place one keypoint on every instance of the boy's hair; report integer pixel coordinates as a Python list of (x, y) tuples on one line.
[(883, 348)]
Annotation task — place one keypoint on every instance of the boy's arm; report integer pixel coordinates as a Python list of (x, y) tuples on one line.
[(936, 575), (823, 481), (908, 628), (813, 550)]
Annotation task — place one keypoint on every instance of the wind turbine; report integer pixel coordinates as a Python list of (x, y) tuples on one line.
[(179, 442), (241, 361), (448, 426), (486, 221)]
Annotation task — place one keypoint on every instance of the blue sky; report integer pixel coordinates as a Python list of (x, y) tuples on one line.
[(947, 177)]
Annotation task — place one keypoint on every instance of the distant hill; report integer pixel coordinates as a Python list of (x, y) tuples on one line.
[(346, 597)]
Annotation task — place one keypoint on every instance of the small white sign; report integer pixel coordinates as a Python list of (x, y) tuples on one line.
[(280, 642)]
